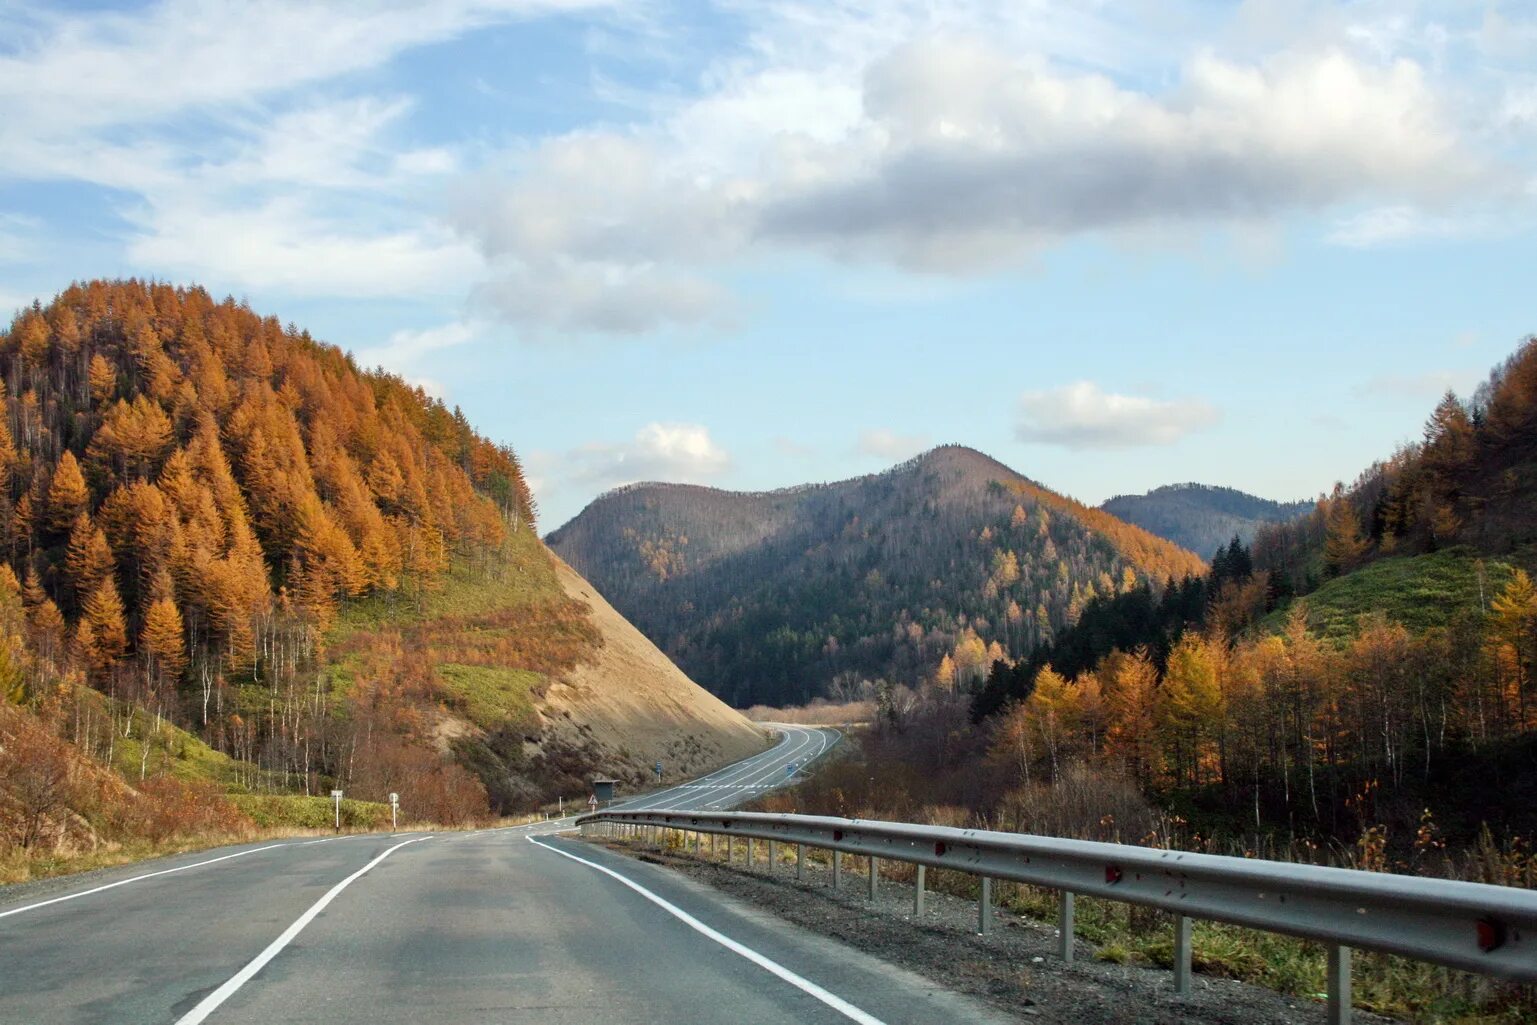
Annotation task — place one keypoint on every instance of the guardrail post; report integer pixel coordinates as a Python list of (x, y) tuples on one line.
[(1182, 928), (985, 908), (875, 875), (918, 891), (800, 862), (773, 855), (1065, 925), (837, 869), (749, 853), (713, 838), (1339, 984)]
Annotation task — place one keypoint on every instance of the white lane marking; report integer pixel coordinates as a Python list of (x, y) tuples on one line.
[(135, 879), (805, 985), (759, 766), (211, 1002), (727, 774)]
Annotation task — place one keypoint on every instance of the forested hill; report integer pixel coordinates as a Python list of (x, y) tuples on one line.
[(1468, 485), (928, 571), (1202, 517), (217, 525)]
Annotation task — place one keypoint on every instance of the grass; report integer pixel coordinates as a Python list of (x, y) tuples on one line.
[(493, 697), (296, 811), (521, 574), (1420, 592), (1382, 983)]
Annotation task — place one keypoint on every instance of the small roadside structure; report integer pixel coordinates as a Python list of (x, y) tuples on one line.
[(603, 790)]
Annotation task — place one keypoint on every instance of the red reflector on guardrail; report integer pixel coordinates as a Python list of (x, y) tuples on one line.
[(1112, 873), (939, 848), (837, 835), (1491, 934)]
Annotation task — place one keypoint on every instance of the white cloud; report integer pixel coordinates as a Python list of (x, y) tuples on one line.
[(70, 71), (1427, 385), (610, 298), (406, 348), (1083, 416), (283, 244), (672, 452), (887, 444), (1400, 223), (944, 142), (232, 160)]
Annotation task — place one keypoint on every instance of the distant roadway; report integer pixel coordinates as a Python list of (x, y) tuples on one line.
[(492, 926)]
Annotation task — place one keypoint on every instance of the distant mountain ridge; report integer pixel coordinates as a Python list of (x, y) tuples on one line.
[(1202, 517), (930, 569)]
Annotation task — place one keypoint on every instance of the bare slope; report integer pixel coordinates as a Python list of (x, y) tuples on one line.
[(635, 707)]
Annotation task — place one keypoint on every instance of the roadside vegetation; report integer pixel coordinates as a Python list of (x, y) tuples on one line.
[(238, 571)]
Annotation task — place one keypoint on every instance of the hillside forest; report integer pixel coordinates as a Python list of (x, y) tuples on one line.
[(1360, 683), (1201, 517), (194, 502), (930, 571)]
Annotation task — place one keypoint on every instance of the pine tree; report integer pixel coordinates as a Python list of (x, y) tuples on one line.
[(1343, 544), (108, 631), (88, 558), (161, 642), (103, 380), (67, 494)]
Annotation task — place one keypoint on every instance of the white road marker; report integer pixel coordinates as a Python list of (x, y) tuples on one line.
[(211, 1002), (135, 879), (768, 964)]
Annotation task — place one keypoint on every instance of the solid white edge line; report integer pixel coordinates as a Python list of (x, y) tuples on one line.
[(769, 965), (211, 1002), (135, 879)]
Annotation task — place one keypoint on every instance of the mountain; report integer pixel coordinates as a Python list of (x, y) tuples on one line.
[(932, 569), (227, 548), (1202, 517)]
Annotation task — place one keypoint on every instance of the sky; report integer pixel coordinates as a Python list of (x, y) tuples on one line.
[(755, 243)]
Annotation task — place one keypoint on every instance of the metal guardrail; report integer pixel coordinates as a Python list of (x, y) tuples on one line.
[(1471, 926)]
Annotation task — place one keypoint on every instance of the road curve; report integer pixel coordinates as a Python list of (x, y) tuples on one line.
[(505, 925), (735, 784)]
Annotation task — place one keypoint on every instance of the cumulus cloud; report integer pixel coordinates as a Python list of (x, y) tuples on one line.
[(611, 298), (951, 154), (976, 156), (888, 444), (672, 452), (1084, 416)]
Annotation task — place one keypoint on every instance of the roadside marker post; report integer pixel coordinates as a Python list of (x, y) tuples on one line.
[(1065, 927), (336, 795), (394, 810)]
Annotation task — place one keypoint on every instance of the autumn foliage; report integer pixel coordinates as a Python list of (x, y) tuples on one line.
[(189, 492)]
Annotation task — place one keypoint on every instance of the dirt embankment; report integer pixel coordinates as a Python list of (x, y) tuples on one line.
[(634, 706)]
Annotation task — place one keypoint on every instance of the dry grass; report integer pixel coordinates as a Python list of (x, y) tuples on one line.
[(819, 713)]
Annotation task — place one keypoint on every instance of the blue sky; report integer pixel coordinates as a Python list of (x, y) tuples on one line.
[(753, 243)]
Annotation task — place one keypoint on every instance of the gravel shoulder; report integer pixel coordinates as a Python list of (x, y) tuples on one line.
[(1014, 968)]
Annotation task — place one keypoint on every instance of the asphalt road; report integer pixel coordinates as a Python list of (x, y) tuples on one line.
[(798, 747), (507, 925)]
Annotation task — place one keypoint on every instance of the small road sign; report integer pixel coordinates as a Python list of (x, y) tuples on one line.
[(336, 795), (592, 801)]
